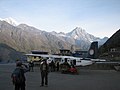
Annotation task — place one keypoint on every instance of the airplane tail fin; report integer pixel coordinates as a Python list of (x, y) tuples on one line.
[(93, 50)]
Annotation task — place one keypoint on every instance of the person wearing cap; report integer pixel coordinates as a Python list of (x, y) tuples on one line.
[(19, 71), (44, 68)]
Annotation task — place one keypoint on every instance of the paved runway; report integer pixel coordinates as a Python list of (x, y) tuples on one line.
[(86, 80)]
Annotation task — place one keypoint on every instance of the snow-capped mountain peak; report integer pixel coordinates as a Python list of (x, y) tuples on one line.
[(80, 34), (77, 33), (79, 29), (10, 21)]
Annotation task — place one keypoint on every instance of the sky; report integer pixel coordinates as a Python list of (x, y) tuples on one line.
[(98, 17)]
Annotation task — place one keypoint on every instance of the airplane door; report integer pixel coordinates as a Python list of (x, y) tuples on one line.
[(74, 62)]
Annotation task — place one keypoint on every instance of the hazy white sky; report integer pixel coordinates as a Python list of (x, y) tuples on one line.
[(98, 17)]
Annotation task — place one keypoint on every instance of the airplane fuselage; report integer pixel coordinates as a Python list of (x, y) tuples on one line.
[(61, 59)]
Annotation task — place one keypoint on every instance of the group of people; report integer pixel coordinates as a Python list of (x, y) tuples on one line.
[(54, 66), (68, 68), (18, 75)]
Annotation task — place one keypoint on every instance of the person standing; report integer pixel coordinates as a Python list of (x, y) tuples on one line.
[(18, 77), (52, 66), (44, 68), (31, 65), (57, 65)]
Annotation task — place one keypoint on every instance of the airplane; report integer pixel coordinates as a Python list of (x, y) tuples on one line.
[(61, 59), (77, 61), (91, 58)]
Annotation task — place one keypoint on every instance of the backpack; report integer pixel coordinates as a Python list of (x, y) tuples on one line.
[(17, 76)]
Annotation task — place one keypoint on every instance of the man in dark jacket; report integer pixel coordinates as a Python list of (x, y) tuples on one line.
[(44, 72), (31, 65), (18, 76)]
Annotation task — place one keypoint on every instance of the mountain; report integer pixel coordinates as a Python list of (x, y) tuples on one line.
[(80, 34), (24, 38), (111, 48), (79, 38), (8, 54), (10, 21)]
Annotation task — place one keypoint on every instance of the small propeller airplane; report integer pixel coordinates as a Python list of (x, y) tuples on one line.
[(77, 61)]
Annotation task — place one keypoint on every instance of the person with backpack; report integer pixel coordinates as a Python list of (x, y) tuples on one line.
[(18, 77)]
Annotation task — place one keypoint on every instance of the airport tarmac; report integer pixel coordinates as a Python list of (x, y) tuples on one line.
[(86, 80)]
